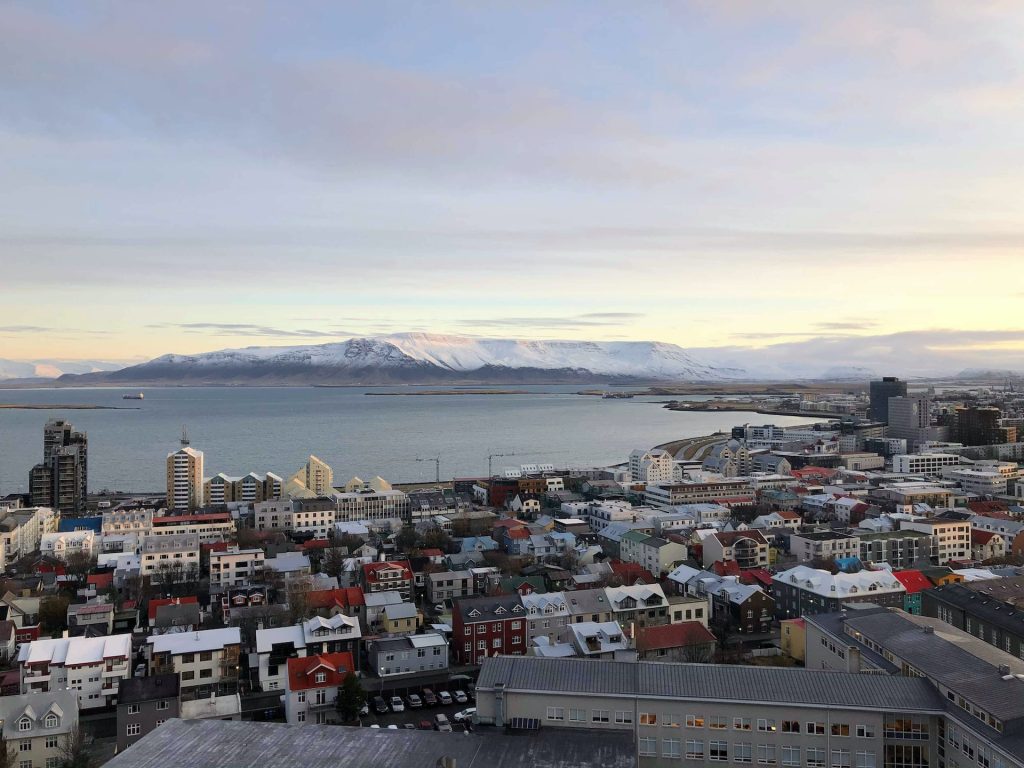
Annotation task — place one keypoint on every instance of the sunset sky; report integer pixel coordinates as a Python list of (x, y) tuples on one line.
[(182, 177)]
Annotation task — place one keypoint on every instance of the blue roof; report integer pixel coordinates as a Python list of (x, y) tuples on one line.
[(68, 524)]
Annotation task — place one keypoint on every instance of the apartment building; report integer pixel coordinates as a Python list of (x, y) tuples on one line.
[(674, 494), (547, 616), (388, 576), (654, 466), (989, 610), (450, 585), (236, 567), (313, 683), (210, 527), (655, 554), (318, 635), (803, 591), (64, 544), (980, 481), (21, 531), (823, 545), (36, 727), (394, 659), (950, 538), (143, 705), (900, 549), (371, 504), (132, 519), (92, 666), (185, 478), (709, 714), (923, 463), (249, 489), (206, 660), (484, 626), (644, 605), (174, 556), (749, 549), (314, 478)]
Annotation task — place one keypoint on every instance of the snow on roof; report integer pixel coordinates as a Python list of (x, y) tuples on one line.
[(76, 650), (840, 585), (194, 642)]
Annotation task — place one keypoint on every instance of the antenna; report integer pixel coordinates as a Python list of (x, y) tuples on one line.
[(184, 437)]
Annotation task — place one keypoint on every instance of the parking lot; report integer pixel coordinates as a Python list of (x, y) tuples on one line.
[(411, 716)]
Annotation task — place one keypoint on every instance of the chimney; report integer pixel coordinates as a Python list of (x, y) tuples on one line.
[(1004, 669)]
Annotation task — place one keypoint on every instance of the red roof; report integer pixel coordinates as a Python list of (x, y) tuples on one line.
[(316, 544), (519, 533), (813, 472), (432, 552), (785, 514), (913, 581), (756, 576), (510, 522), (214, 546), (154, 604), (981, 537), (370, 569), (346, 597), (205, 517), (987, 508), (100, 580), (673, 636), (730, 501), (631, 573), (726, 567), (335, 666)]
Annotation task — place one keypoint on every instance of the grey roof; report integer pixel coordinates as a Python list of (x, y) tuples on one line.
[(225, 744), (511, 606), (135, 689), (711, 682)]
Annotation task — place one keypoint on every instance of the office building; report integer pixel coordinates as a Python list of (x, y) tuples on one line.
[(185, 478), (910, 420), (881, 392), (981, 425), (61, 480), (923, 463)]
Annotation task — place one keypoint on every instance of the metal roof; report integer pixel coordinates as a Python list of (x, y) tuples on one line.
[(710, 682)]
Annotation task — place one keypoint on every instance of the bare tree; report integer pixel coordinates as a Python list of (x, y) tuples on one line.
[(298, 598), (73, 751)]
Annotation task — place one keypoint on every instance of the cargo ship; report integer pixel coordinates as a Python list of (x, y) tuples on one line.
[(138, 396)]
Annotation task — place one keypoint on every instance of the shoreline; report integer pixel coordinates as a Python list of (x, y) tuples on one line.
[(444, 392), (66, 407)]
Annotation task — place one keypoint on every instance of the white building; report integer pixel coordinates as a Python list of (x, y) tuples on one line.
[(22, 529), (923, 463), (185, 479), (128, 520), (312, 688), (236, 567), (314, 636), (92, 666), (983, 481), (64, 544), (178, 553), (369, 504), (951, 539), (654, 466), (205, 658)]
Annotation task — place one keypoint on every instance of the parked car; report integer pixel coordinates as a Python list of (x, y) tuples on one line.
[(140, 670), (379, 705), (464, 715), (444, 697), (396, 704), (410, 726), (375, 726), (441, 723), (429, 698), (460, 697), (415, 702), (439, 608), (392, 727), (424, 725)]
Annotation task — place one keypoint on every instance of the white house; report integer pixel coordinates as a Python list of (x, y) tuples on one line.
[(66, 543), (91, 666)]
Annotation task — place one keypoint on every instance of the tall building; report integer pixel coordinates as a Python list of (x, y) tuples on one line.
[(61, 480), (881, 391), (981, 425), (185, 477), (316, 478), (910, 420)]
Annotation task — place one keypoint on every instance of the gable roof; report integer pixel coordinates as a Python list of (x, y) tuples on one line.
[(335, 666), (914, 581), (680, 635)]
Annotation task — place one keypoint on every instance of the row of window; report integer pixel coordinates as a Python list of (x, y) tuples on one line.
[(482, 628), (763, 754), (134, 709), (495, 643)]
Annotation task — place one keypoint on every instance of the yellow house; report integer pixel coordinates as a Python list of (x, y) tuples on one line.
[(794, 638), (400, 618)]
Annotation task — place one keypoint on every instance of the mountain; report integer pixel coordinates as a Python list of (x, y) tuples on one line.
[(50, 369), (418, 358)]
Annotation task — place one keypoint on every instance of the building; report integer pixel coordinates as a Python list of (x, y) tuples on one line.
[(924, 463), (172, 558), (408, 660), (63, 545), (315, 478), (803, 591), (144, 704), (740, 608), (654, 466), (749, 549), (900, 549), (91, 666), (206, 660), (248, 489), (689, 641), (185, 478), (318, 635), (981, 425), (729, 459), (486, 626), (988, 610), (915, 583), (366, 503), (36, 727), (129, 519), (313, 682), (388, 576), (547, 616), (793, 638), (677, 494), (823, 545), (655, 554), (22, 529), (980, 481), (880, 392), (315, 517), (708, 714), (449, 585), (61, 480), (910, 420), (950, 538), (210, 527), (236, 567)]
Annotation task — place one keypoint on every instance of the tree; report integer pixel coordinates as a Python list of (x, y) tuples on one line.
[(351, 698), (73, 752), (78, 564), (298, 598), (53, 614), (437, 539), (8, 757), (407, 539), (334, 561)]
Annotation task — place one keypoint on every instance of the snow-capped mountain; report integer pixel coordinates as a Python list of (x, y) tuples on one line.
[(50, 369), (427, 358)]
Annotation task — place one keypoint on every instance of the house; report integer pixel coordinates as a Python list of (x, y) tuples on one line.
[(749, 549), (8, 643), (686, 608), (915, 583), (90, 665), (689, 641), (793, 635), (287, 566), (657, 555), (486, 626), (823, 546), (206, 660), (312, 685), (330, 602), (174, 614), (318, 635), (547, 615), (804, 591), (738, 607), (413, 659), (986, 545), (63, 545), (399, 618), (93, 619), (388, 576), (143, 704), (641, 604), (36, 726), (777, 521), (171, 557), (598, 640), (449, 585), (588, 605)]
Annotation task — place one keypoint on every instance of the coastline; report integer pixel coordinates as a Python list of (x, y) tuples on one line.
[(67, 407)]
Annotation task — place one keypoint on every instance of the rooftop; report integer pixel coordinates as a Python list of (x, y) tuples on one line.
[(194, 642), (136, 689)]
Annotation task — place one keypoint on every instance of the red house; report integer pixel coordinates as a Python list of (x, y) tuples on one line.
[(390, 575), (488, 626)]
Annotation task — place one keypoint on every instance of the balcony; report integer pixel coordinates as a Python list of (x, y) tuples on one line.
[(312, 706)]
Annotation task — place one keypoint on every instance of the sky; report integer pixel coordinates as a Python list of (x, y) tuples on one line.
[(795, 177)]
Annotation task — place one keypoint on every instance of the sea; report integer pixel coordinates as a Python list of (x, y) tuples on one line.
[(259, 429)]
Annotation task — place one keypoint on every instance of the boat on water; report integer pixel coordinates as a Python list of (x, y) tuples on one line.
[(138, 396), (617, 396)]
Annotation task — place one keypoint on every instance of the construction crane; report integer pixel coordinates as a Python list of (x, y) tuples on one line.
[(490, 459), (437, 467)]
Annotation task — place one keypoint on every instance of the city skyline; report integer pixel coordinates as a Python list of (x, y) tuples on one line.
[(808, 180)]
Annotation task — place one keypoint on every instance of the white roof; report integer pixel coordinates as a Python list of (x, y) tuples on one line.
[(266, 638), (76, 650), (977, 574), (400, 611), (840, 585), (426, 641), (377, 599), (194, 642)]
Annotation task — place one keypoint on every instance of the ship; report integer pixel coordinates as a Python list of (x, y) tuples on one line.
[(138, 396), (617, 396)]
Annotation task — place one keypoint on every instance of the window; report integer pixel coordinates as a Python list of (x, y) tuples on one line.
[(840, 758), (481, 645), (556, 713), (694, 721), (25, 764), (817, 729), (718, 751), (578, 715), (518, 624), (25, 745), (301, 696), (717, 722), (741, 723), (743, 752), (321, 677), (51, 762), (671, 748), (670, 720), (188, 658), (694, 749), (766, 754), (765, 725), (648, 718), (599, 716), (648, 746), (134, 729), (133, 709), (161, 705), (865, 760), (205, 673), (24, 724), (206, 656), (496, 643), (791, 755), (624, 717), (791, 726), (51, 721), (866, 731), (51, 742), (190, 675), (815, 757), (840, 729), (300, 716)]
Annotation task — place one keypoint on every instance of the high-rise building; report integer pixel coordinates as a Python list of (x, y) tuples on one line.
[(881, 391), (981, 425), (185, 477), (910, 420), (316, 478), (61, 480)]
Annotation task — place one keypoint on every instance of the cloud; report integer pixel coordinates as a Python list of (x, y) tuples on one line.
[(24, 329), (846, 325), (586, 320), (249, 329)]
